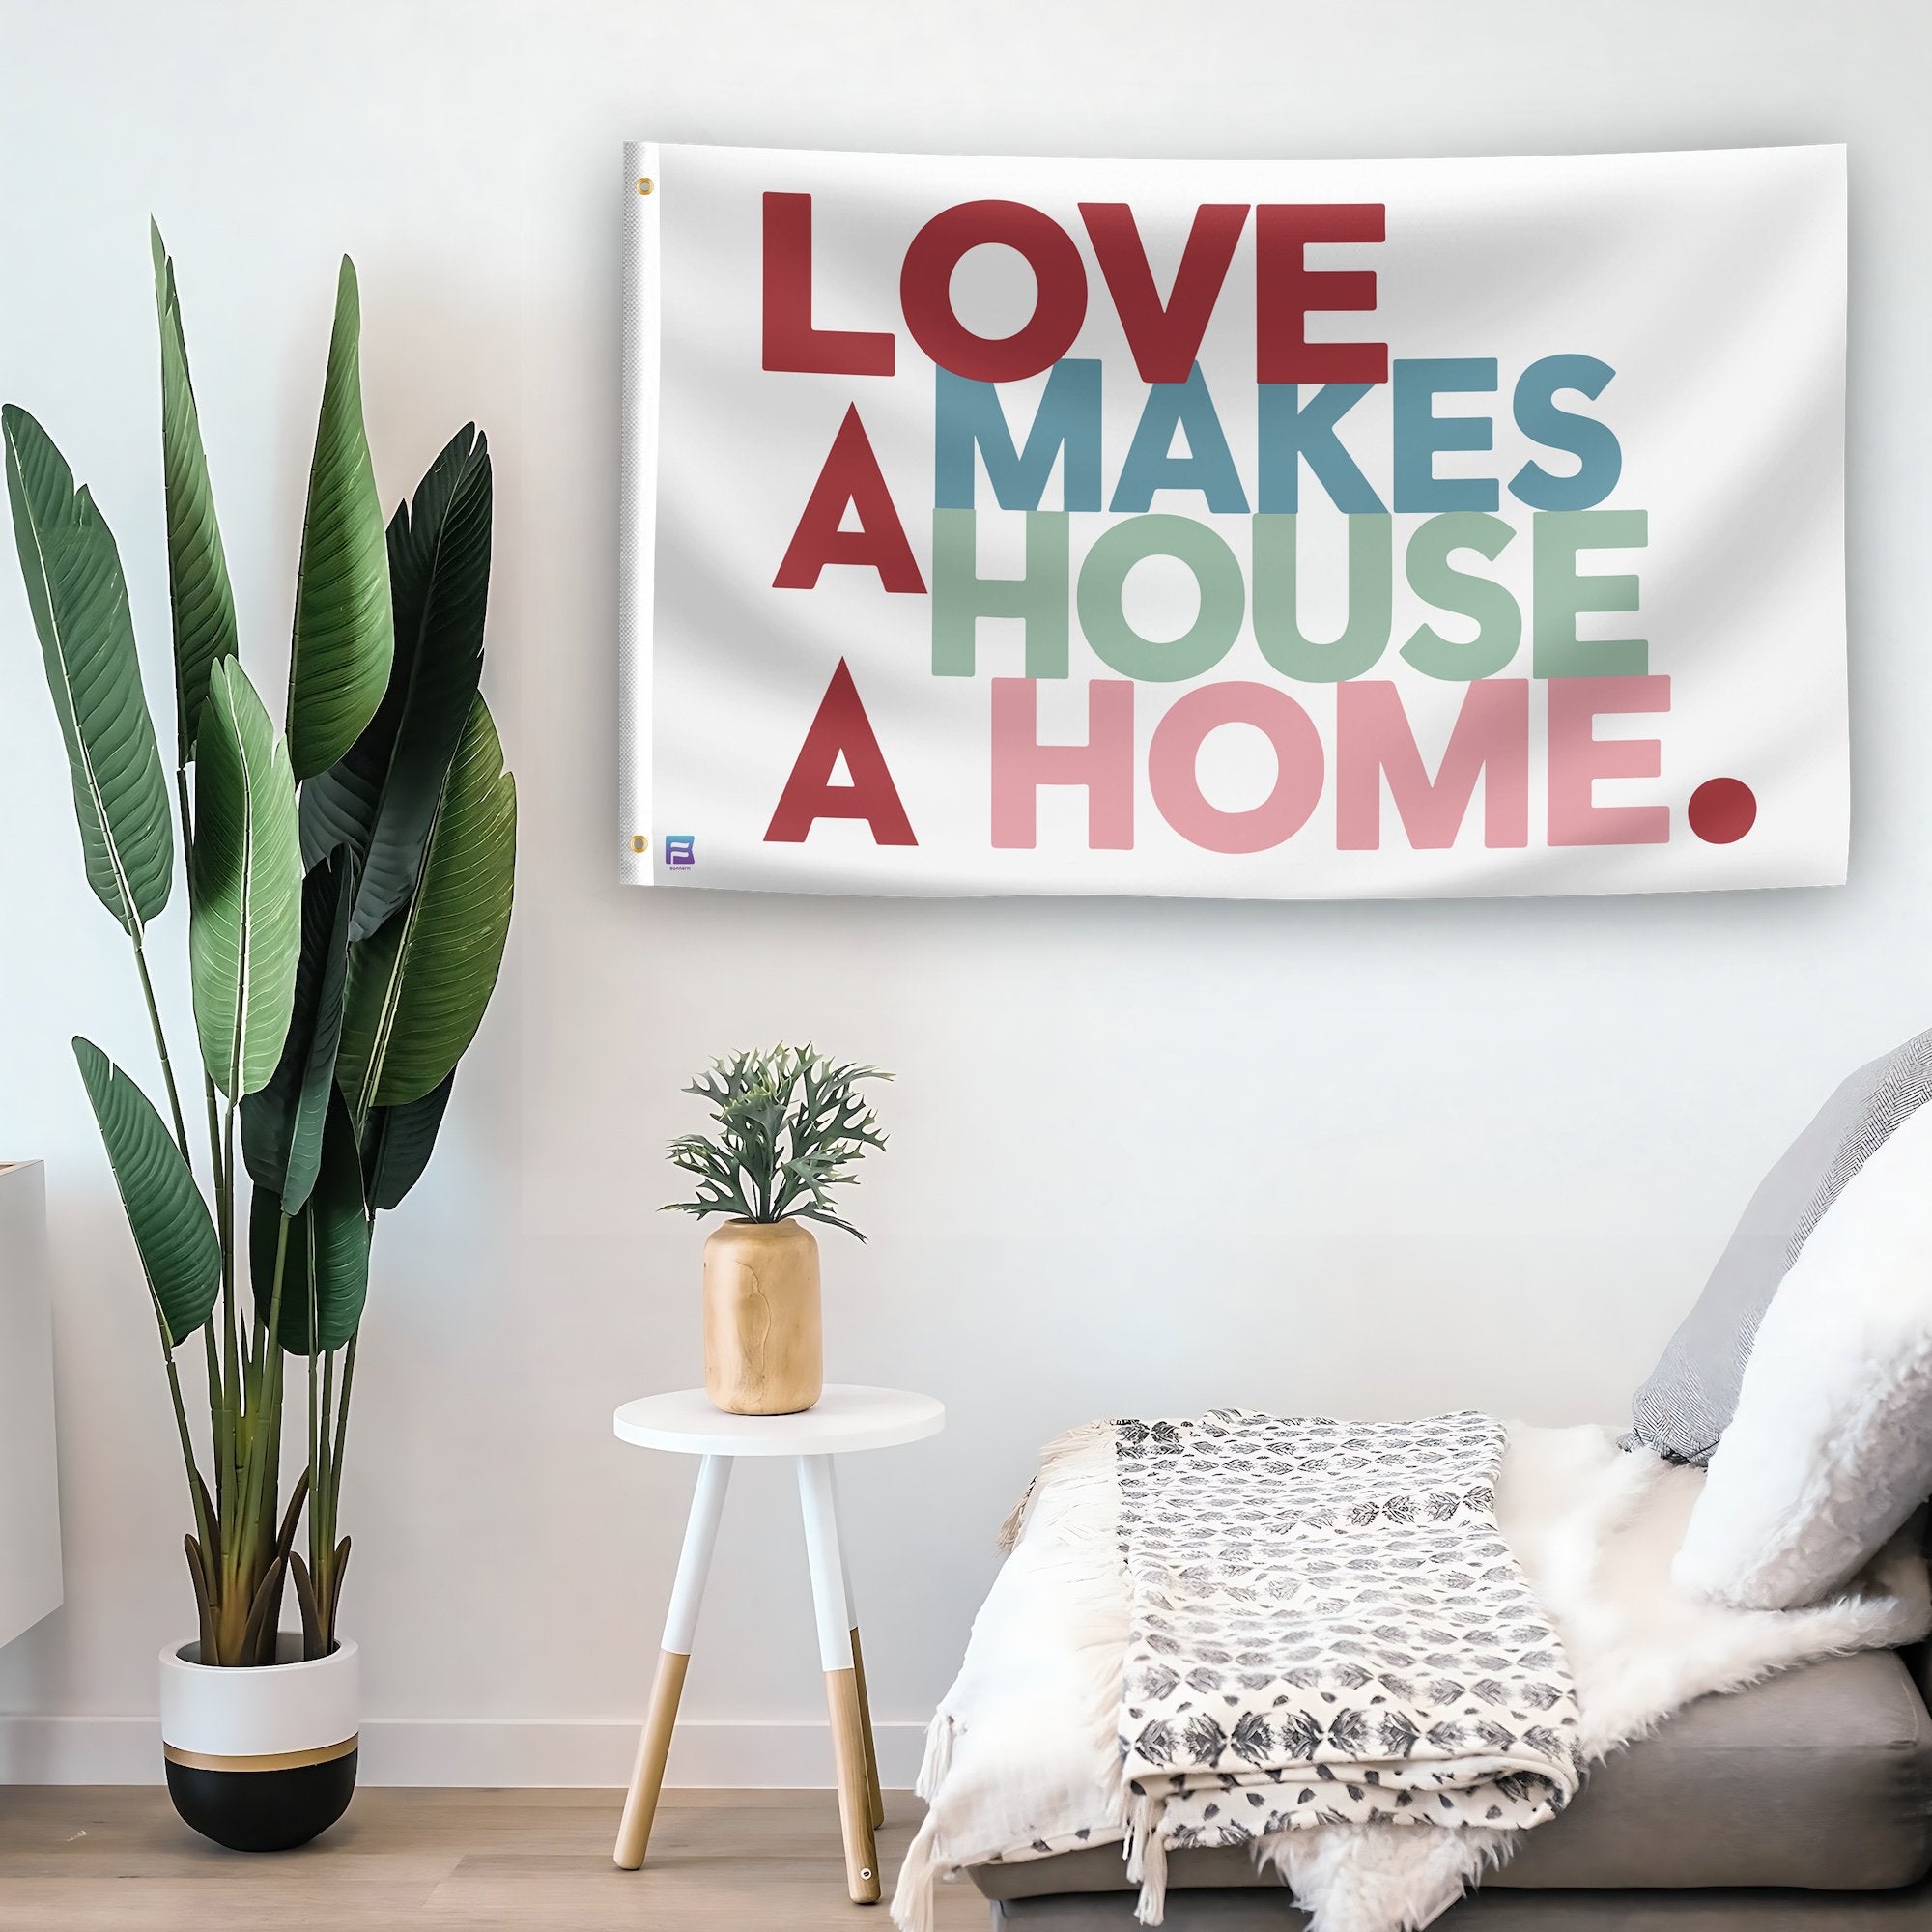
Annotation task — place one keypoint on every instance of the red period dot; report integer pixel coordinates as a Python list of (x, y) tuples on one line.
[(1722, 811)]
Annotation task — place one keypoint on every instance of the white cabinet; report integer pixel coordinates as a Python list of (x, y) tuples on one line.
[(30, 1558)]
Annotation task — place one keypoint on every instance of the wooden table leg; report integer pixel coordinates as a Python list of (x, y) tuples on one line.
[(819, 1509), (877, 1796), (694, 1564)]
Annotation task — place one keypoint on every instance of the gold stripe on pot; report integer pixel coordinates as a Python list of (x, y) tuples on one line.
[(268, 1761)]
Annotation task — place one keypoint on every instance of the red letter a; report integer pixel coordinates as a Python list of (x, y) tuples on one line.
[(810, 795), (850, 479)]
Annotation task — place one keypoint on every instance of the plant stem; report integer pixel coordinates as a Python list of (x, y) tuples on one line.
[(162, 1048), (266, 1407), (217, 1436), (230, 1359), (243, 1566), (195, 1486), (234, 1418), (321, 1521), (324, 1544), (191, 1468), (221, 1434), (316, 1434), (341, 1424)]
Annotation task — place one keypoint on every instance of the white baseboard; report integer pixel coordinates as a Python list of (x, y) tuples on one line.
[(479, 1751)]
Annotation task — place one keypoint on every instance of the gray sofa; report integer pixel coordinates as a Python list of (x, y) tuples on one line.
[(1801, 1805)]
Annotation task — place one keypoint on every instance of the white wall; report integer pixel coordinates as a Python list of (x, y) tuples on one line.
[(1369, 1158)]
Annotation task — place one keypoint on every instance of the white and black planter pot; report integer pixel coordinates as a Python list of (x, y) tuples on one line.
[(263, 1759)]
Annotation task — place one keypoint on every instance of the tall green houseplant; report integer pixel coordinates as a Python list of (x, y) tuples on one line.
[(348, 883)]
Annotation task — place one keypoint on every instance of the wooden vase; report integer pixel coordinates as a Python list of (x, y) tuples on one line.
[(764, 1349)]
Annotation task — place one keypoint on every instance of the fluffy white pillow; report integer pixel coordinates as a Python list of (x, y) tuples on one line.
[(1830, 1449)]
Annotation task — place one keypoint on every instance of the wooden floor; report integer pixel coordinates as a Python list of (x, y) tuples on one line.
[(76, 1860)]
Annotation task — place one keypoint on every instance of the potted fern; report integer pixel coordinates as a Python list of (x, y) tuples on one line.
[(348, 884), (790, 1128)]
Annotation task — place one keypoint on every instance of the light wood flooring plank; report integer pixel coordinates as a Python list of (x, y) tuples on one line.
[(103, 1859)]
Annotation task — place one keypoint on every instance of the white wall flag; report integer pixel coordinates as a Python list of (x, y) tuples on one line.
[(1235, 528)]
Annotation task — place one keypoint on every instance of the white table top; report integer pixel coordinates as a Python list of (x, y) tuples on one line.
[(845, 1417)]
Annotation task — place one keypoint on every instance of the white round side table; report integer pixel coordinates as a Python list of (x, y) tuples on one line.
[(846, 1418)]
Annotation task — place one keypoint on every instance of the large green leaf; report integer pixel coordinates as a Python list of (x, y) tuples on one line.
[(344, 636), (79, 601), (198, 590), (380, 798), (173, 1233), (326, 1264), (418, 987), (246, 883), (281, 1125), (398, 1141)]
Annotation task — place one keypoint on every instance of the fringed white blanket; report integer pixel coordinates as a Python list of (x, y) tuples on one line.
[(1324, 1625), (1024, 1757)]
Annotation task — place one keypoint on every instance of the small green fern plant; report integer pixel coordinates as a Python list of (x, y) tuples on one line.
[(791, 1126)]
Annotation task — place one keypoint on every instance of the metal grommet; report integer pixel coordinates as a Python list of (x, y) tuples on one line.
[(639, 842), (645, 185)]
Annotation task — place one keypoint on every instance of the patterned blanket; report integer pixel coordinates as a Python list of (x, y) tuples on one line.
[(1326, 1625), (1023, 1759)]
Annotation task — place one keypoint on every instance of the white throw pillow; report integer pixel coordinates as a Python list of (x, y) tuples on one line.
[(1830, 1449)]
